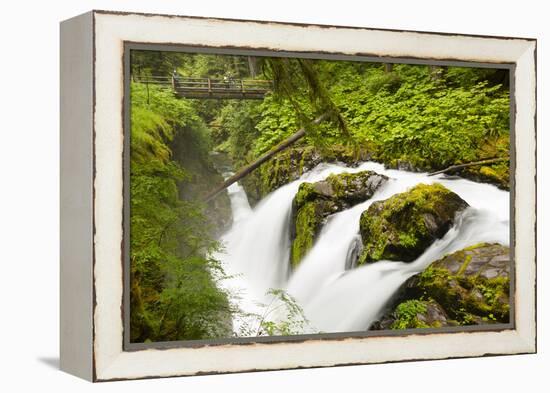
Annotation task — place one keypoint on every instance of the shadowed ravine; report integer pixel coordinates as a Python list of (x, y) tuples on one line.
[(336, 299)]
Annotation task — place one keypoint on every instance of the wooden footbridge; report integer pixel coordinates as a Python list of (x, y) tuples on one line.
[(225, 88)]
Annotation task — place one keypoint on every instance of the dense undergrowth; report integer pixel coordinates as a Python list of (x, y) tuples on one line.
[(174, 291), (414, 116)]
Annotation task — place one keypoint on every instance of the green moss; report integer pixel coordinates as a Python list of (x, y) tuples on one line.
[(494, 302), (275, 173), (407, 239), (308, 222), (403, 226), (290, 164), (463, 295), (475, 246), (339, 183), (498, 174), (467, 319), (306, 158), (467, 260), (305, 193), (488, 171), (407, 315)]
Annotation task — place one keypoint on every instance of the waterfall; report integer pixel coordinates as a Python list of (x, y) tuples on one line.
[(334, 297)]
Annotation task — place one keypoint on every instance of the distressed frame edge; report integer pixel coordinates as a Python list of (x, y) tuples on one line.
[(76, 196), (303, 24), (526, 287), (527, 340)]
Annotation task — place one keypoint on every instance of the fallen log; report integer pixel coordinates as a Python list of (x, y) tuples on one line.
[(249, 168), (473, 163)]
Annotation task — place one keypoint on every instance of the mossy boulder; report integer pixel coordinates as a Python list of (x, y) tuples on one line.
[(402, 227), (314, 202), (292, 163), (472, 281), (470, 287)]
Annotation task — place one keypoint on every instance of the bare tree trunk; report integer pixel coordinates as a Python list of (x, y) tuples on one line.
[(249, 168), (460, 166)]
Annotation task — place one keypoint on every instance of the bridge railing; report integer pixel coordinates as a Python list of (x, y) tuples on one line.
[(214, 87)]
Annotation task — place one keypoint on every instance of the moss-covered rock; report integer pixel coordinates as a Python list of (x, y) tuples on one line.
[(290, 164), (316, 201), (497, 174), (402, 227), (283, 168), (307, 224), (470, 287), (413, 314), (344, 190), (470, 281)]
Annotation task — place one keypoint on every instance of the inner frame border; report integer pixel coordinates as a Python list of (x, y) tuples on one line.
[(129, 46)]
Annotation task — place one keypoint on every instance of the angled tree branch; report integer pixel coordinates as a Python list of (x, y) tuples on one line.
[(265, 157), (460, 166)]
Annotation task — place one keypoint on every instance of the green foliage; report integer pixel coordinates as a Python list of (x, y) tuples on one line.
[(157, 112), (282, 316), (423, 120), (239, 119), (277, 122), (406, 315), (430, 118), (159, 63), (174, 291), (149, 132), (404, 115)]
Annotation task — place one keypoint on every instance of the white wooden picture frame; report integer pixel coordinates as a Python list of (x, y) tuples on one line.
[(93, 114)]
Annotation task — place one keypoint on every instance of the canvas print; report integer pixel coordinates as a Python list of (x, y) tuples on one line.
[(284, 196)]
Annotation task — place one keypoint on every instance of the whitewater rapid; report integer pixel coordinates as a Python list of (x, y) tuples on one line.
[(334, 297)]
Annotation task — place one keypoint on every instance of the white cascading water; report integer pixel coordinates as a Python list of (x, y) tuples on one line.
[(335, 298)]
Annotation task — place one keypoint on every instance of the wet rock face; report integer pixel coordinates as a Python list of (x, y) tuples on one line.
[(314, 202), (470, 287), (403, 226), (485, 261), (343, 190)]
